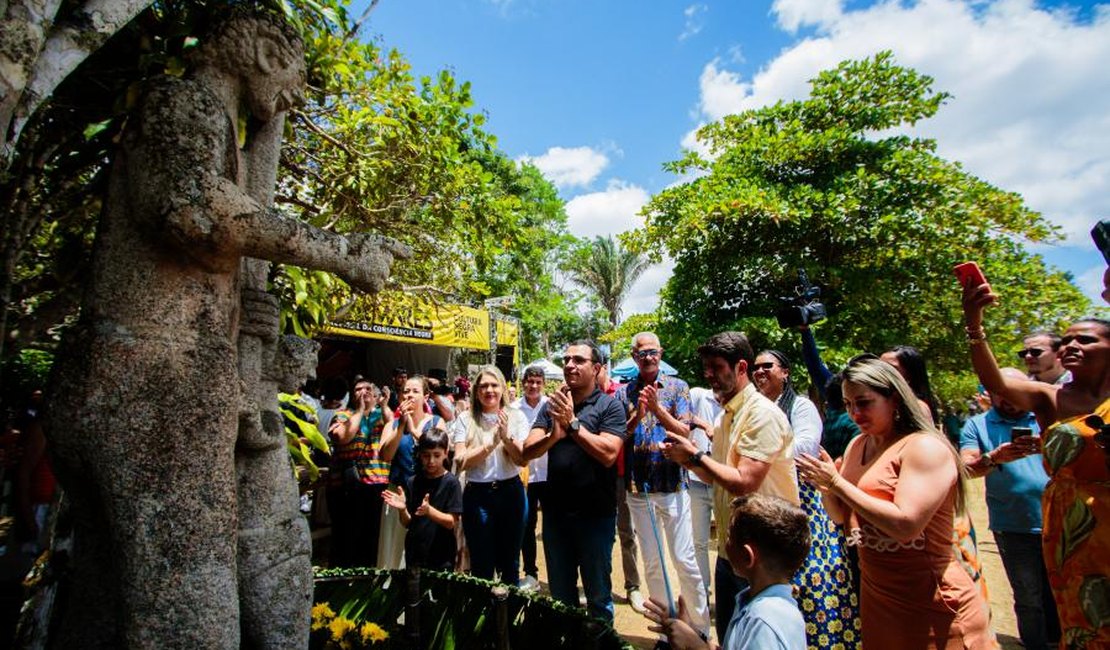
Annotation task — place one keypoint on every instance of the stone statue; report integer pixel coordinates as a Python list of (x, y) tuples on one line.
[(164, 419)]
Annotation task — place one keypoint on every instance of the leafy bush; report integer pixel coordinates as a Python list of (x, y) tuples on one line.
[(355, 608)]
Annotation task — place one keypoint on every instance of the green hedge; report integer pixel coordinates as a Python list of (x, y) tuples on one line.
[(366, 608)]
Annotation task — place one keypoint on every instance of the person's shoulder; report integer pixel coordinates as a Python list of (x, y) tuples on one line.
[(929, 449), (676, 382)]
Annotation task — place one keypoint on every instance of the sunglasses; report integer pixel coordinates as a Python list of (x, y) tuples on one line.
[(1030, 352), (767, 365), (644, 354), (576, 360)]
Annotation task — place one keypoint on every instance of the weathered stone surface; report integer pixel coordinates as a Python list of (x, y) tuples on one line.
[(164, 417)]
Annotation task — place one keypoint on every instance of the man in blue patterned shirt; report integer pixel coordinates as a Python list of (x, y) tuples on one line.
[(655, 405)]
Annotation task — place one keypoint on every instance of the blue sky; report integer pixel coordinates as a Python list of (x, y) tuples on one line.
[(600, 94)]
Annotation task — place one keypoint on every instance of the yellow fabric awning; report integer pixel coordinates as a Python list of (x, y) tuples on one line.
[(407, 319)]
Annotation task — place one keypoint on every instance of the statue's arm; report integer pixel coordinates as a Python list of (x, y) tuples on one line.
[(182, 164)]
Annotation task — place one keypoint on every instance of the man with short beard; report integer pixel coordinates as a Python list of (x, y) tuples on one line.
[(581, 429), (753, 450)]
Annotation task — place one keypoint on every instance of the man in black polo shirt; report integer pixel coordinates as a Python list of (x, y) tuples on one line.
[(581, 429)]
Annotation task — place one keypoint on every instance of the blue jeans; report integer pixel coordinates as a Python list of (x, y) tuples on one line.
[(728, 586), (574, 543), (1023, 559), (493, 522), (528, 547)]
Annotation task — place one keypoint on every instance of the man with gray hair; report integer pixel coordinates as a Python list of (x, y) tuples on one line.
[(1000, 446), (657, 487)]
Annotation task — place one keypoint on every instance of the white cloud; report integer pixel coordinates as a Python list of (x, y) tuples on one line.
[(1090, 283), (612, 211), (643, 297), (570, 167), (1030, 88), (792, 14), (695, 20)]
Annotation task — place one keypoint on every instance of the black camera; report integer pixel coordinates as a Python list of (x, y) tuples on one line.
[(804, 308), (441, 387)]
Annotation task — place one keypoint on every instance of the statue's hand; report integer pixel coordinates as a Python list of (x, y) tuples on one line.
[(372, 256)]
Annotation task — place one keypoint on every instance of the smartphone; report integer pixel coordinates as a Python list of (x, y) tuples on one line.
[(969, 272), (1020, 432)]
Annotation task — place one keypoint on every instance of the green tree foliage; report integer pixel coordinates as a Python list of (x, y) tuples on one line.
[(607, 269), (372, 149), (832, 184)]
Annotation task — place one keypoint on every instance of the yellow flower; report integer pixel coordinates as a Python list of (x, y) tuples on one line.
[(340, 627), (321, 614), (372, 633)]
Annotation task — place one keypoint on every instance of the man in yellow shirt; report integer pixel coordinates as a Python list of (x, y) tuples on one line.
[(753, 450)]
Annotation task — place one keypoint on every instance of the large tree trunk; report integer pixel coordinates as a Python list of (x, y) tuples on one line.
[(37, 54)]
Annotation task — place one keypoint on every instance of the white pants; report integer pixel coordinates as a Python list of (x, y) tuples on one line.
[(673, 521), (391, 540), (701, 512)]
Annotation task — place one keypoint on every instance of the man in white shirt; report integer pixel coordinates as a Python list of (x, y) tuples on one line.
[(530, 405)]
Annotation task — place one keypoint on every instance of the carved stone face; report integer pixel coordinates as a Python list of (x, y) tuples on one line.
[(277, 81)]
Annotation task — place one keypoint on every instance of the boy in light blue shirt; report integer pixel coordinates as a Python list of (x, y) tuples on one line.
[(768, 541)]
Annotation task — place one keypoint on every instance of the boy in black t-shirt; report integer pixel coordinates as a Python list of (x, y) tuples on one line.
[(430, 506)]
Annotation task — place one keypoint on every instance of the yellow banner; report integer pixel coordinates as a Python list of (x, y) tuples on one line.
[(405, 319), (508, 332)]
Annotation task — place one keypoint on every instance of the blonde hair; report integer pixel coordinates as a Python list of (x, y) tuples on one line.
[(476, 434), (910, 418)]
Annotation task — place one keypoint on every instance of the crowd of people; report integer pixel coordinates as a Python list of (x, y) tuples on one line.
[(834, 528)]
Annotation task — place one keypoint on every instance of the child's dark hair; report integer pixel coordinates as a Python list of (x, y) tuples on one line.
[(778, 528), (433, 439)]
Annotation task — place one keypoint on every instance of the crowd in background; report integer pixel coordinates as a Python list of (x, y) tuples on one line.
[(835, 526)]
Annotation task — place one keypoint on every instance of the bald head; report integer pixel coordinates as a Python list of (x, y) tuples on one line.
[(1007, 409)]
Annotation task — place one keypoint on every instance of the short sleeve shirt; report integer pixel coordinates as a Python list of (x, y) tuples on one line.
[(363, 451), (755, 427), (427, 544), (1014, 492), (646, 470), (770, 620), (577, 484)]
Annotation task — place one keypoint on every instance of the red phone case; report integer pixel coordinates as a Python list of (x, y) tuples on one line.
[(969, 271)]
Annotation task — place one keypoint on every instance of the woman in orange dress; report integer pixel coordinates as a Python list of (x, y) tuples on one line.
[(897, 491), (1077, 498)]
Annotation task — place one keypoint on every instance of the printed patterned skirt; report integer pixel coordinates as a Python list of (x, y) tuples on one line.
[(823, 588)]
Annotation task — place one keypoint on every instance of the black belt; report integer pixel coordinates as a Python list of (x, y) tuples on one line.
[(493, 485)]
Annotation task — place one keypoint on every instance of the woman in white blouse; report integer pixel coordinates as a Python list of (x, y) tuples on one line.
[(494, 501)]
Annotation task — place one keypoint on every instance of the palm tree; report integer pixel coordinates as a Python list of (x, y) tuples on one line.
[(608, 270)]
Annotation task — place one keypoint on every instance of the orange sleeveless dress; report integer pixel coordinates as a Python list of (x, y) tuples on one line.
[(913, 595), (1077, 530)]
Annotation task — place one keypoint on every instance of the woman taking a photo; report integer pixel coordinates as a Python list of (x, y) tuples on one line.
[(896, 491), (825, 593), (357, 478), (494, 502), (1077, 499)]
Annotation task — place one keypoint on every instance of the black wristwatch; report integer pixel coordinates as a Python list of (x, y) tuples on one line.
[(695, 460), (574, 425)]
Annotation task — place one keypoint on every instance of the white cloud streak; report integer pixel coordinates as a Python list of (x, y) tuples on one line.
[(695, 20), (570, 167)]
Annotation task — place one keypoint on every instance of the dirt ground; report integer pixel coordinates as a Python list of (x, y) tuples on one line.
[(634, 627)]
